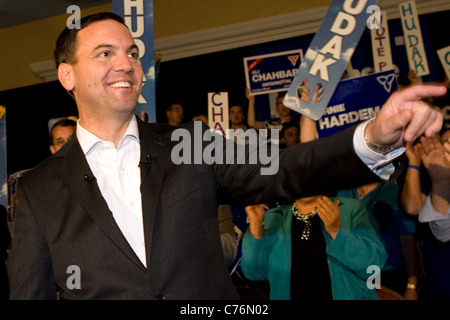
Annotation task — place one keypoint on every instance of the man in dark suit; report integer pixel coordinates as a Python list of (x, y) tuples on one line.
[(111, 216)]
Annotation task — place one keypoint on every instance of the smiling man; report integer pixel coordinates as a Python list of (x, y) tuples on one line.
[(104, 76), (112, 211)]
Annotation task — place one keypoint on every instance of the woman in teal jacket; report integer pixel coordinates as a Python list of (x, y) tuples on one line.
[(329, 253)]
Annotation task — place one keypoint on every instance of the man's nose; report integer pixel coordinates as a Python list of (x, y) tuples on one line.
[(122, 63)]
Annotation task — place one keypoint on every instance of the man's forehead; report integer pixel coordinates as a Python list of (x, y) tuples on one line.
[(104, 31)]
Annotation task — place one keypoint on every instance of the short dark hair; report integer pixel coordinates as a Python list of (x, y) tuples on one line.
[(236, 105), (169, 106), (281, 94), (287, 125), (62, 123), (66, 43)]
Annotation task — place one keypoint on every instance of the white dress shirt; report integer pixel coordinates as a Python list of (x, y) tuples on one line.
[(118, 176), (119, 179), (378, 163), (439, 223)]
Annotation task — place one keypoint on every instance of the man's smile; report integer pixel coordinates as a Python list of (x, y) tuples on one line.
[(120, 84)]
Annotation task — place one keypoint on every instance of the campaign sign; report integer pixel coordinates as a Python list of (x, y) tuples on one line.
[(356, 100), (444, 56), (413, 38), (218, 112), (328, 55), (138, 16), (272, 72), (3, 169), (381, 45)]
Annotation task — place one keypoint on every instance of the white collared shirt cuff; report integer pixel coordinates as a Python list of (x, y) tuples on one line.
[(429, 214), (378, 163)]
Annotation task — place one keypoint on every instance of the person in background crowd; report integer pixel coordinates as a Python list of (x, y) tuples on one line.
[(60, 133), (436, 207), (201, 117), (317, 248), (290, 134), (285, 114), (175, 114), (237, 117), (393, 227), (434, 216)]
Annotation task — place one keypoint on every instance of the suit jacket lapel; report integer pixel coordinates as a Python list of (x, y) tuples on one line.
[(75, 171), (155, 153)]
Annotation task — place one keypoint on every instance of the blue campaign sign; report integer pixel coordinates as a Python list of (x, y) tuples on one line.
[(328, 55), (272, 72), (356, 100), (138, 16)]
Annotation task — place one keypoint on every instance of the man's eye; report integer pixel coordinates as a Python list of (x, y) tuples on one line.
[(134, 55), (104, 54)]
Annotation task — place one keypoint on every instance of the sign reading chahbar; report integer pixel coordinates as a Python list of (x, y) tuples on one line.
[(328, 55), (272, 72)]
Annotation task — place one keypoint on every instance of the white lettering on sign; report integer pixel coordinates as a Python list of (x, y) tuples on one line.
[(133, 11), (343, 25), (347, 118)]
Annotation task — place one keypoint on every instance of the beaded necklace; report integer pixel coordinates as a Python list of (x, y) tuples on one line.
[(306, 218)]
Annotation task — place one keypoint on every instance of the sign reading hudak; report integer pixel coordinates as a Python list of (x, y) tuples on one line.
[(328, 55)]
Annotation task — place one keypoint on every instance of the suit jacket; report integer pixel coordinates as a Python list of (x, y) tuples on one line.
[(62, 219)]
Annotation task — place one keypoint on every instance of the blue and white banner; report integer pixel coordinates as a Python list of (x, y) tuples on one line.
[(356, 100), (138, 16), (3, 168), (328, 55), (272, 72)]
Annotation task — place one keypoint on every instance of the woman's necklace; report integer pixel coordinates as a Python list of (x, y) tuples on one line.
[(306, 218)]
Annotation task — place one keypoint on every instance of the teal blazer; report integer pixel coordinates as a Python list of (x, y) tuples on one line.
[(355, 248)]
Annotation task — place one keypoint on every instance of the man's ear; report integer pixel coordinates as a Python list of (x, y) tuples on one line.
[(52, 149), (65, 76)]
